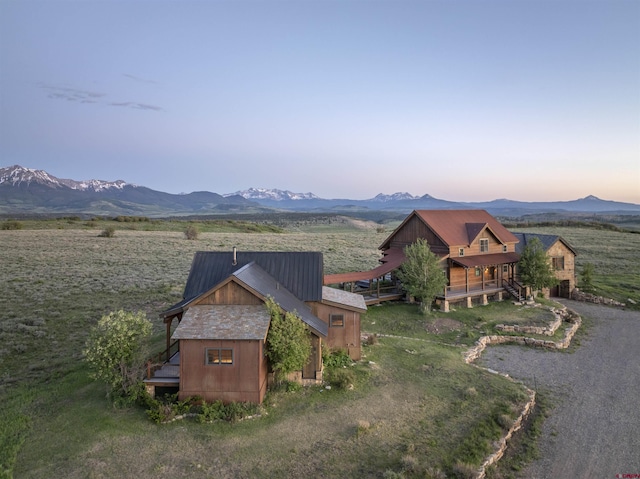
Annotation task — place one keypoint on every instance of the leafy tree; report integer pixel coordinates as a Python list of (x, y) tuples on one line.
[(534, 267), (586, 277), (421, 275), (116, 352), (288, 341)]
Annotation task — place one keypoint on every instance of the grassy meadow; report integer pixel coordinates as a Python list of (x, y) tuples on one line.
[(416, 409)]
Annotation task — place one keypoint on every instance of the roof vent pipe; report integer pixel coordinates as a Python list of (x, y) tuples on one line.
[(235, 256)]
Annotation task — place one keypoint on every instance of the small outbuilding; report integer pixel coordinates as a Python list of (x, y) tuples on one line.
[(217, 348)]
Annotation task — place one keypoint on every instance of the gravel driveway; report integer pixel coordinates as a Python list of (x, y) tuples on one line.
[(594, 427)]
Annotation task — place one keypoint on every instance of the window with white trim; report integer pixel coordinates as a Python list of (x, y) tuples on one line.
[(460, 251), (505, 248), (484, 245)]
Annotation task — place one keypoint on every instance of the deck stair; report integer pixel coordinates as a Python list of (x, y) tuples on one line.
[(513, 289)]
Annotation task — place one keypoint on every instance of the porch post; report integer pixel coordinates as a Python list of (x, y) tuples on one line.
[(168, 323), (466, 278)]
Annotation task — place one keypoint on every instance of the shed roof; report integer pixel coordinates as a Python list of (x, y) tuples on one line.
[(299, 272), (486, 259), (547, 241), (343, 298), (458, 227), (224, 322), (393, 258)]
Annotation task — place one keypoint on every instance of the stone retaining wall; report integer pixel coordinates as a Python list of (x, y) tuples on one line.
[(472, 354), (578, 295), (566, 315), (549, 330)]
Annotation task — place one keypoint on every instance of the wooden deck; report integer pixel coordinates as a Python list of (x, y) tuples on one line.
[(166, 374)]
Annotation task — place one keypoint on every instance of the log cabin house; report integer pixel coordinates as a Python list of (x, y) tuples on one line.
[(563, 259), (476, 252), (215, 336)]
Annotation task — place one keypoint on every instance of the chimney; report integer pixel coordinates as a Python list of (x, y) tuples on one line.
[(235, 256)]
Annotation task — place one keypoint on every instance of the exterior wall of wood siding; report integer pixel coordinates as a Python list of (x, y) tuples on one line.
[(346, 337), (415, 228), (494, 245), (243, 381), (230, 293)]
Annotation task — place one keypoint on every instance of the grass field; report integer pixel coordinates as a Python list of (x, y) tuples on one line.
[(417, 409)]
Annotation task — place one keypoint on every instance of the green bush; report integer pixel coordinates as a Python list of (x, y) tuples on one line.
[(108, 232), (339, 378), (12, 225), (191, 232), (116, 353)]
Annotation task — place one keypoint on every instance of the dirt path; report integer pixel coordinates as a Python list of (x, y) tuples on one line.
[(594, 428)]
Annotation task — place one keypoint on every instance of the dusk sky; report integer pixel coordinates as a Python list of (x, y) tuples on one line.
[(466, 100)]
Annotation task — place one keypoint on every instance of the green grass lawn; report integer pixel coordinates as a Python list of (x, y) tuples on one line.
[(416, 408)]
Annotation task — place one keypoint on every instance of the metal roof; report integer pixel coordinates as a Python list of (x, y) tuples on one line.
[(393, 259), (257, 279), (458, 227), (486, 259), (231, 322), (547, 241), (299, 272)]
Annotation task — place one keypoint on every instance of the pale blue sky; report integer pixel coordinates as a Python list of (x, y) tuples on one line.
[(465, 100)]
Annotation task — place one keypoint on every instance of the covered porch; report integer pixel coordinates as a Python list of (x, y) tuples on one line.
[(480, 277)]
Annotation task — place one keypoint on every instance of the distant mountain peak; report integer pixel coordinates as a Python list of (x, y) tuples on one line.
[(18, 175), (272, 194), (395, 197), (591, 198)]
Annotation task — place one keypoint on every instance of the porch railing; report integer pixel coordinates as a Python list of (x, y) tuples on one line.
[(155, 362)]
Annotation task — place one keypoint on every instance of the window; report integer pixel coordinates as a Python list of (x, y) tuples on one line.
[(505, 248), (217, 356), (484, 245), (460, 251), (558, 263), (336, 320), (478, 271), (505, 268)]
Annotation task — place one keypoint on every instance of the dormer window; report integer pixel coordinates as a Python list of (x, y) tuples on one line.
[(484, 245), (460, 251)]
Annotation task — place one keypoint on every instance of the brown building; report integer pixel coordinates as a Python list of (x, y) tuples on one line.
[(217, 349), (562, 257)]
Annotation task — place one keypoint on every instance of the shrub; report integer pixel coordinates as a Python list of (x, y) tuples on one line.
[(336, 359), (116, 352), (108, 232), (339, 378), (12, 225), (191, 232)]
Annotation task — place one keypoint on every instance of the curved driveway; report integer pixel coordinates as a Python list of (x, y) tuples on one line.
[(594, 427)]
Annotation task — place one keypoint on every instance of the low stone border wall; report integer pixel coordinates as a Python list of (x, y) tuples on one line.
[(566, 316), (474, 353), (549, 330), (578, 295)]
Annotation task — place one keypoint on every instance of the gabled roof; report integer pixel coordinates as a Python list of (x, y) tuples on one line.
[(257, 279), (547, 241), (299, 272), (458, 227)]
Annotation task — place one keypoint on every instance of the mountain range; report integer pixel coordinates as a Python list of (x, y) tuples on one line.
[(26, 191)]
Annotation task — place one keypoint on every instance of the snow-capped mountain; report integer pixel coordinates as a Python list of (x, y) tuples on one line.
[(394, 197), (18, 175), (30, 191), (272, 194)]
